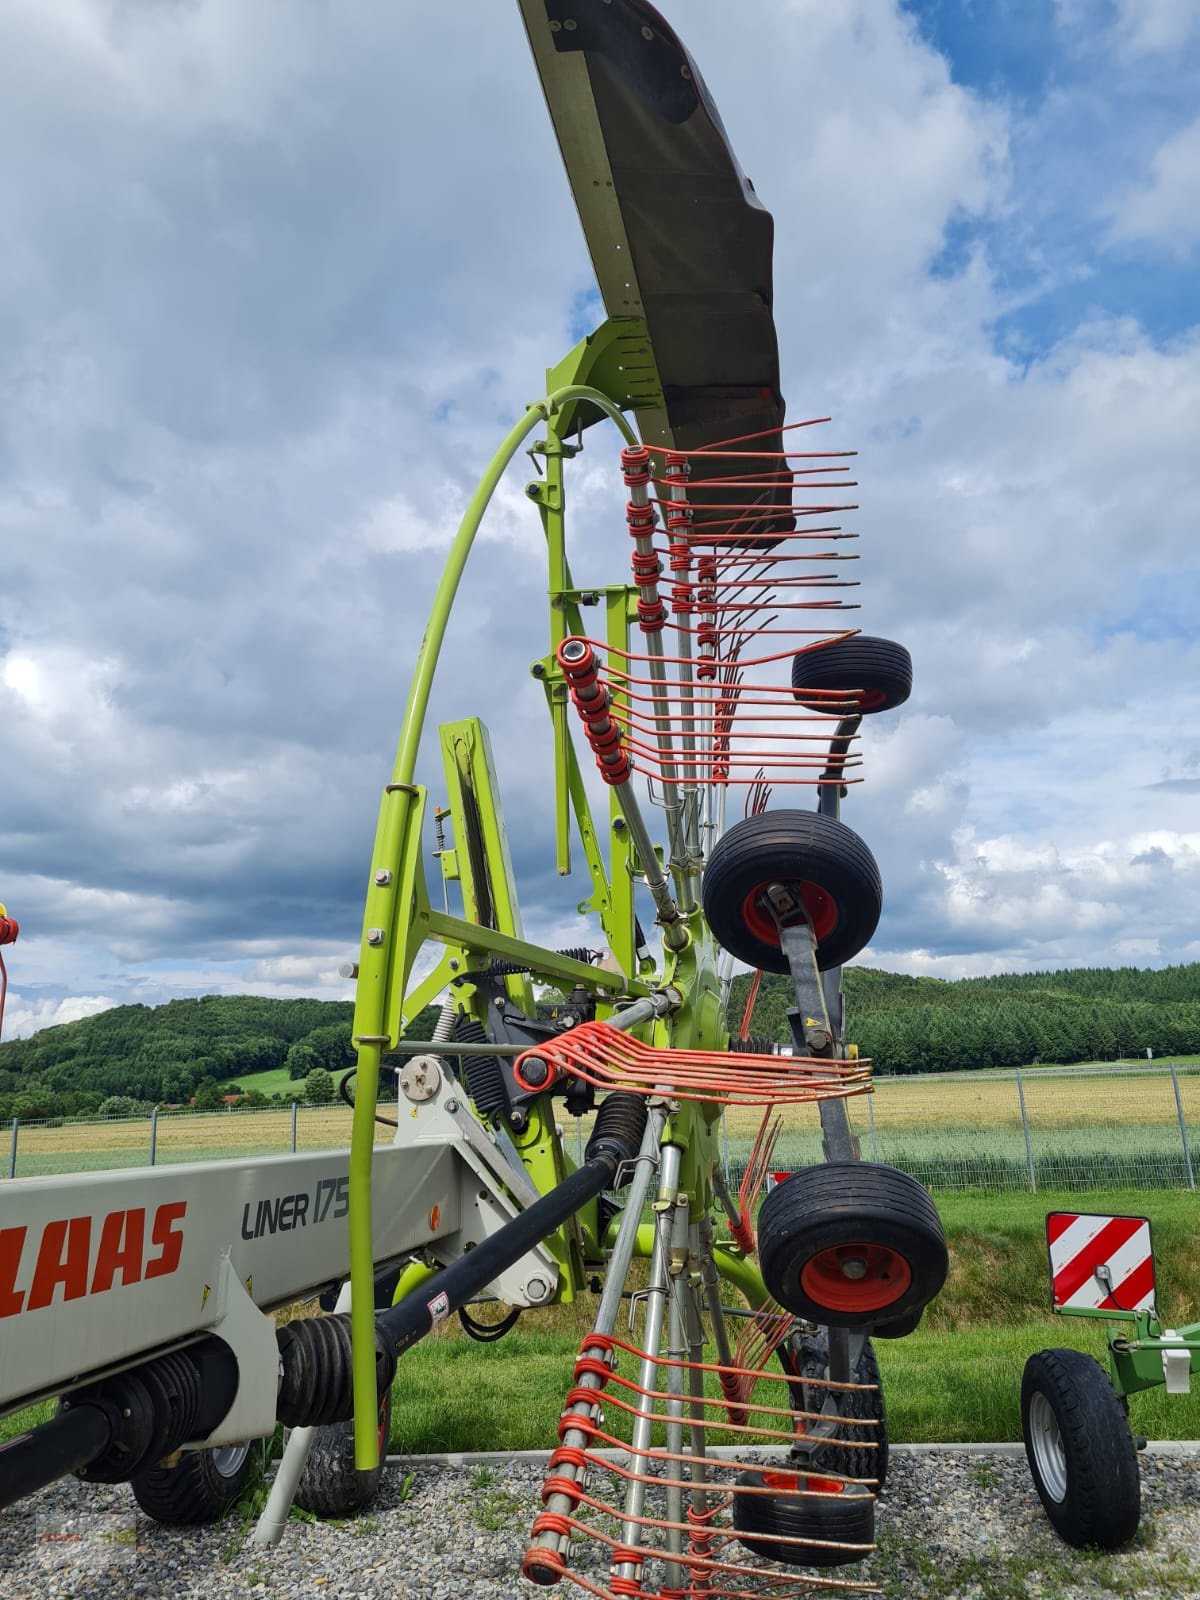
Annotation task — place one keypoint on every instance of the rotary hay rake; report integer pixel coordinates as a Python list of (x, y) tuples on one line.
[(724, 664)]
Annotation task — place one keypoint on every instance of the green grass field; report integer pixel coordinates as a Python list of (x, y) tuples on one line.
[(274, 1082), (956, 1378)]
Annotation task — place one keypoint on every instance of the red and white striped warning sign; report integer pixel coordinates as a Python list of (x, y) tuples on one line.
[(1100, 1263)]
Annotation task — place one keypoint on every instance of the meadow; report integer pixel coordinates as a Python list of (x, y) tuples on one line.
[(956, 1378)]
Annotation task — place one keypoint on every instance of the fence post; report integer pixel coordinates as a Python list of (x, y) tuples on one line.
[(12, 1159), (1025, 1130), (871, 1118), (154, 1133), (295, 1108), (1187, 1149)]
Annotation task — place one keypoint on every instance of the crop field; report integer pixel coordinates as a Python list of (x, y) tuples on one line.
[(1105, 1099), (953, 1131), (97, 1146), (957, 1131)]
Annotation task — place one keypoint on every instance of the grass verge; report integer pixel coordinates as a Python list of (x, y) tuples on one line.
[(957, 1378)]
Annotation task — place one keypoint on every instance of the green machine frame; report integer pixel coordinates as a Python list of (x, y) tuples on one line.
[(608, 372)]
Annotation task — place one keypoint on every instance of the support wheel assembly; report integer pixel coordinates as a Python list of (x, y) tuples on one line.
[(806, 1355), (876, 675), (200, 1487), (819, 860), (851, 1243), (331, 1485), (1080, 1450), (843, 1513)]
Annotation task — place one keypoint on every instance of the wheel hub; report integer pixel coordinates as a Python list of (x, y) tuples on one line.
[(1046, 1438)]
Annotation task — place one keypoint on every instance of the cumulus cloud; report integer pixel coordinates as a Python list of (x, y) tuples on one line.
[(275, 285), (1165, 208), (22, 1017), (1152, 26)]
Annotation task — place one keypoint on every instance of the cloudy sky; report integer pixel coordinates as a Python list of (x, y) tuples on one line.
[(275, 277)]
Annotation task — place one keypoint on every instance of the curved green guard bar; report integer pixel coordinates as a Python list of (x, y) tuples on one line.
[(376, 959)]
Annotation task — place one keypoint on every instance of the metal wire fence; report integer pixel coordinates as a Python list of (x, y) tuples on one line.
[(161, 1137), (1043, 1128)]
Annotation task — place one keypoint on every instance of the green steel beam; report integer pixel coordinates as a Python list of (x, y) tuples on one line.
[(390, 941)]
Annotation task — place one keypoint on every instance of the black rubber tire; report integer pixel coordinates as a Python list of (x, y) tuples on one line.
[(855, 1211), (331, 1485), (898, 1327), (807, 1355), (792, 848), (200, 1487), (1080, 1451), (880, 668), (762, 1521)]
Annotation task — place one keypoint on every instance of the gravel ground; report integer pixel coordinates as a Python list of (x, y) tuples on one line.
[(950, 1526)]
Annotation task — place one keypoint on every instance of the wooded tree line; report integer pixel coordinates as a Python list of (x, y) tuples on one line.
[(171, 1053), (189, 1049), (910, 1024)]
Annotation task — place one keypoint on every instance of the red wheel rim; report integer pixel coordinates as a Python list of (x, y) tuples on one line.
[(819, 903), (880, 1276), (793, 1481)]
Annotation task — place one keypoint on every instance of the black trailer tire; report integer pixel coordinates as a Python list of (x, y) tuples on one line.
[(818, 858), (846, 1515), (851, 1243), (1081, 1453), (807, 1356), (331, 1485), (200, 1487), (876, 675)]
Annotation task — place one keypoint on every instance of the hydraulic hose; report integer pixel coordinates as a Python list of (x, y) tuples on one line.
[(617, 1138)]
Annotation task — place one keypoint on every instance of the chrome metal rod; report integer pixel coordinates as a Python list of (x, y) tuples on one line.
[(721, 1190), (657, 1293), (673, 804), (698, 1467), (675, 934), (711, 1279), (677, 1351), (652, 1005), (609, 1308)]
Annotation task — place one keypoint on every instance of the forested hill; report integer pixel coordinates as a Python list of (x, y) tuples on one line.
[(931, 1025), (164, 1053)]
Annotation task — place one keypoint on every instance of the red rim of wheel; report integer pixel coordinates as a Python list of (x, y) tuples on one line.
[(885, 1278), (794, 1481), (872, 700), (819, 903)]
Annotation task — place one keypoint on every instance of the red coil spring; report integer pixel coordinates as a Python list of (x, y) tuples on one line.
[(731, 1388), (581, 668), (635, 463)]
